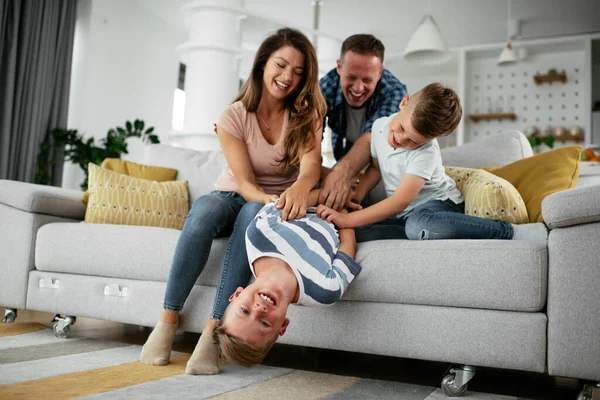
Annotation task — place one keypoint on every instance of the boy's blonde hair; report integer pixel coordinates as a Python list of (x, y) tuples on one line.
[(436, 110), (237, 351)]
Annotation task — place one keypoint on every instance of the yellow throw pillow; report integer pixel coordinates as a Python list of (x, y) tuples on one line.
[(541, 175), (149, 172), (120, 199), (489, 196)]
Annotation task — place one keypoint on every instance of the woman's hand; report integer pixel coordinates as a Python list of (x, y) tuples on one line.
[(341, 219), (293, 202), (270, 198)]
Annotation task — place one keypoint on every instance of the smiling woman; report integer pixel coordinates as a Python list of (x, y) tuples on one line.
[(270, 135)]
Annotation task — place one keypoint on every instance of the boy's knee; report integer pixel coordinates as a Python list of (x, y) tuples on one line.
[(416, 229), (414, 232)]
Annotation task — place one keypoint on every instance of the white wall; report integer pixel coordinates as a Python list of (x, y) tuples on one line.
[(125, 67)]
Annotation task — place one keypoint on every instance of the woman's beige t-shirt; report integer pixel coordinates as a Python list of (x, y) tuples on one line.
[(242, 124)]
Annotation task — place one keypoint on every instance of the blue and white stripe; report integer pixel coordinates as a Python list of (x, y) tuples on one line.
[(309, 246)]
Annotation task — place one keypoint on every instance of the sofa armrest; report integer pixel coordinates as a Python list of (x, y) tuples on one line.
[(41, 199), (570, 207)]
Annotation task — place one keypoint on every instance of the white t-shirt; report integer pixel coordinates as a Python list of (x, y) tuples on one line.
[(424, 161)]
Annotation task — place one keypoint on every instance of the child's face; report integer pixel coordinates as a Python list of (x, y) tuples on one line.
[(255, 315), (401, 133)]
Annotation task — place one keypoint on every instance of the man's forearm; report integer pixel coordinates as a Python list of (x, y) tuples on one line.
[(357, 158)]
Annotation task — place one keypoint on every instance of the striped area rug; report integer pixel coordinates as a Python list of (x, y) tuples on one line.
[(36, 365)]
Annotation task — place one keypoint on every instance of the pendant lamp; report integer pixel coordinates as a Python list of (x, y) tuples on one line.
[(426, 45)]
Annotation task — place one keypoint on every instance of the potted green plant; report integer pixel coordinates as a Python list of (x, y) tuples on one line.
[(536, 141), (82, 152)]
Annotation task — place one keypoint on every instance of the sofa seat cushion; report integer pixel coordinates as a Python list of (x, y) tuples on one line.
[(488, 274), (116, 251)]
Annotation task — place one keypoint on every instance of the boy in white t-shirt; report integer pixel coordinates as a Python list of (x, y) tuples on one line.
[(422, 202)]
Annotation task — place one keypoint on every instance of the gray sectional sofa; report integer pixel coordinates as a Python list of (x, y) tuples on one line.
[(532, 306)]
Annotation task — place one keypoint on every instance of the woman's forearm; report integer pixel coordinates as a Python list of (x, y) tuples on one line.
[(251, 192), (308, 177)]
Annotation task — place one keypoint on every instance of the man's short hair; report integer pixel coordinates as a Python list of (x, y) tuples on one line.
[(364, 44), (436, 110)]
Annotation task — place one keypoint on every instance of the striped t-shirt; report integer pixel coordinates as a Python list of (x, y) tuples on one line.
[(309, 245)]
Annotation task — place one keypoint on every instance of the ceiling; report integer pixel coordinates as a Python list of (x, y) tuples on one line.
[(462, 22)]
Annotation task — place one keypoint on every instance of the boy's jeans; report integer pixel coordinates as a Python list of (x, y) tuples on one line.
[(436, 219), (215, 214)]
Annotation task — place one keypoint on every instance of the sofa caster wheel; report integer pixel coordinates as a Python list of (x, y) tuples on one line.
[(10, 314), (61, 326), (454, 384), (589, 391)]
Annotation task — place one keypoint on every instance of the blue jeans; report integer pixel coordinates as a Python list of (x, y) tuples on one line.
[(436, 219), (215, 214)]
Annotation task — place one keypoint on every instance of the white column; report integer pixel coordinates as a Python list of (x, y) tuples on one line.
[(211, 56), (328, 51)]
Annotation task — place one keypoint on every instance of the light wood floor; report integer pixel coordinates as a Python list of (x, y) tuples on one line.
[(488, 380)]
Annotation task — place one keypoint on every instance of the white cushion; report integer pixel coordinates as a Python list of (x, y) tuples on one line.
[(200, 168)]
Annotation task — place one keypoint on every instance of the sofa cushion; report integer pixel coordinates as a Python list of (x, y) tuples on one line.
[(490, 274), (500, 149), (125, 167), (115, 251), (42, 199), (200, 168), (541, 175), (489, 196), (121, 199)]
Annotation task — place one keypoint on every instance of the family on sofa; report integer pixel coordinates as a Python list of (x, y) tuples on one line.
[(300, 242)]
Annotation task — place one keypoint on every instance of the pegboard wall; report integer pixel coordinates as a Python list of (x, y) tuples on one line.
[(511, 89)]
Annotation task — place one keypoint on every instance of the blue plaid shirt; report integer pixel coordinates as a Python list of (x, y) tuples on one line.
[(383, 102)]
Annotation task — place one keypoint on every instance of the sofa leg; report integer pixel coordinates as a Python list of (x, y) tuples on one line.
[(590, 392), (62, 325), (454, 384), (10, 314)]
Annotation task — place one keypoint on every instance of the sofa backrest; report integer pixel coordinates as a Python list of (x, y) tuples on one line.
[(496, 150), (200, 168)]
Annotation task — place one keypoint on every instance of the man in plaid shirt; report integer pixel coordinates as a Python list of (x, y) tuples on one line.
[(358, 91)]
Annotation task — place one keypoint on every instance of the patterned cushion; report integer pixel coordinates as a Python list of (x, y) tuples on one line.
[(541, 175), (120, 199), (489, 196), (150, 172)]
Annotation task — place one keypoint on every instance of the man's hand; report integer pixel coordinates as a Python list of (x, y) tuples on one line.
[(336, 189), (341, 219)]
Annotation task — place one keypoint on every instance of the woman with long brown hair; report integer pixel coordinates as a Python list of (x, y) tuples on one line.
[(271, 138)]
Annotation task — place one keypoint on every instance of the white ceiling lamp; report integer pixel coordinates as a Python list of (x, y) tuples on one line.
[(426, 45), (508, 56)]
